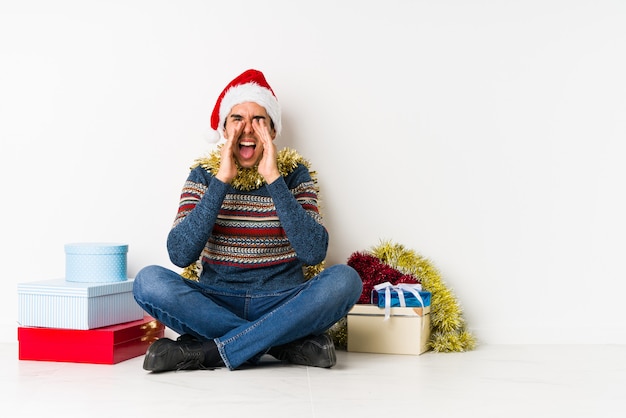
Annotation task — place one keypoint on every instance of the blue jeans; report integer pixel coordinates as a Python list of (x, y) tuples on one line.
[(246, 324)]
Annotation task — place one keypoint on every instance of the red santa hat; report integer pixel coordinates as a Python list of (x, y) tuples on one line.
[(250, 86)]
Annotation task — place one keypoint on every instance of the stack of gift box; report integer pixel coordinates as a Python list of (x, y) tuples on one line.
[(397, 321), (90, 315)]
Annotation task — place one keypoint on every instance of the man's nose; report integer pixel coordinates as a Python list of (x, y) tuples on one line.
[(248, 127)]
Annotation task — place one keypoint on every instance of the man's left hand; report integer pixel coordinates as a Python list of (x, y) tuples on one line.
[(268, 166)]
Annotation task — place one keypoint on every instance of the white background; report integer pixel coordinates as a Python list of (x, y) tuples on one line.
[(485, 135)]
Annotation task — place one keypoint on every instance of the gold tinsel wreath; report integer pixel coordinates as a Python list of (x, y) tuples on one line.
[(449, 332), (249, 179)]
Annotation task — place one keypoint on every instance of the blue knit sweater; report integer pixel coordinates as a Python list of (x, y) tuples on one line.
[(254, 240)]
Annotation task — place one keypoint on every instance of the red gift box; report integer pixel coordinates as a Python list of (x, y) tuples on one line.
[(106, 345)]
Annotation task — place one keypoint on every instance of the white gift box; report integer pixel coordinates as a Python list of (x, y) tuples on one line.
[(58, 303), (405, 331)]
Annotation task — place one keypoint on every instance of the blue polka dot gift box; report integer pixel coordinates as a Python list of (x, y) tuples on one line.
[(95, 262)]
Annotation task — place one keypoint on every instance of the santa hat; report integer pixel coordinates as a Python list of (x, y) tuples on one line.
[(250, 86)]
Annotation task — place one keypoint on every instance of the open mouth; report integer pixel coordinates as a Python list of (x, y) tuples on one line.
[(246, 149)]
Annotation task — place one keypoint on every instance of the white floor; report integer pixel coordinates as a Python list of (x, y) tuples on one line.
[(492, 381)]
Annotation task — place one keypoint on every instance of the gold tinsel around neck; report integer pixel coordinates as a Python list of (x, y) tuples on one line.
[(249, 178)]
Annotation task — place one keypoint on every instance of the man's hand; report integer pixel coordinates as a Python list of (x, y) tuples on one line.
[(268, 165), (228, 167)]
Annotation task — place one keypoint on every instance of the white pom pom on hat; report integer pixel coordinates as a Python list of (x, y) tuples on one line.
[(249, 86), (212, 136)]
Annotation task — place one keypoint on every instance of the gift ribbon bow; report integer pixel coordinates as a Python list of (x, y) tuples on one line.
[(413, 288)]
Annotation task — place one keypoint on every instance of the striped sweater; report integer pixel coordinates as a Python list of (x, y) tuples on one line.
[(258, 239)]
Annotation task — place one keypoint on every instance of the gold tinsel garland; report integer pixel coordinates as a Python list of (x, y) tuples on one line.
[(449, 332), (249, 179)]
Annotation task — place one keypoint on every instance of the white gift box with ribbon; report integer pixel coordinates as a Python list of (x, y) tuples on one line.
[(405, 331)]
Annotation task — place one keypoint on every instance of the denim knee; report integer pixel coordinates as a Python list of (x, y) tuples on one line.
[(345, 282), (145, 280)]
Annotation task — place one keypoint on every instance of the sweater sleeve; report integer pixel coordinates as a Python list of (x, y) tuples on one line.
[(297, 209), (200, 202)]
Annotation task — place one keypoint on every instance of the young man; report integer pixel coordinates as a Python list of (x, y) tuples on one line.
[(249, 218)]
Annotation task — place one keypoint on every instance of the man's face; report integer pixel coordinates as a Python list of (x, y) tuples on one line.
[(247, 147)]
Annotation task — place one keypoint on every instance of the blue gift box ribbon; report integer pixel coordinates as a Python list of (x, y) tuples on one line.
[(400, 295)]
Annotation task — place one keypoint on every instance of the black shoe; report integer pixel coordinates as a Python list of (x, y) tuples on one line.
[(167, 355), (187, 338), (315, 351)]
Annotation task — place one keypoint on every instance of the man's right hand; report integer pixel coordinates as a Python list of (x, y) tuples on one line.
[(228, 167)]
